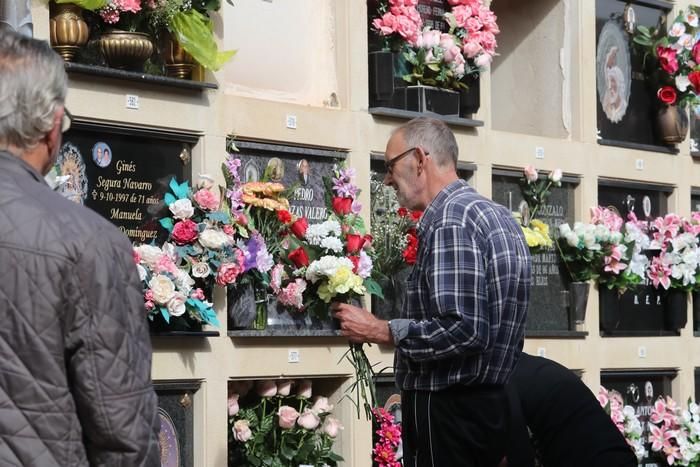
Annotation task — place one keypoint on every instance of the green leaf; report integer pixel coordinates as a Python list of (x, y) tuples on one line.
[(373, 287), (169, 199), (193, 31), (644, 30), (90, 5), (167, 223), (164, 313)]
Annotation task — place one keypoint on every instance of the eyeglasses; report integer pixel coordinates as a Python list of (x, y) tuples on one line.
[(66, 121), (389, 165)]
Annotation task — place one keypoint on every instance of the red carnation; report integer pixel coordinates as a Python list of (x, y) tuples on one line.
[(402, 212), (410, 253), (299, 227), (355, 263), (354, 242), (415, 215), (694, 78), (299, 257), (185, 232), (696, 52), (284, 216), (667, 95), (341, 206)]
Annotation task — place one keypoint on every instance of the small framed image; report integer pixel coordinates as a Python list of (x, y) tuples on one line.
[(101, 154)]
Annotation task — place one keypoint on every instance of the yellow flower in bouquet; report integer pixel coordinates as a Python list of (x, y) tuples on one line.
[(537, 234), (264, 195), (342, 282)]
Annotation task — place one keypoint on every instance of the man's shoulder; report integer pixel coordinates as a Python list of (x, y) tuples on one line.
[(466, 206)]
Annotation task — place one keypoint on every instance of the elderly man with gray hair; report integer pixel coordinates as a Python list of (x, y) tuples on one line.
[(461, 327), (75, 382)]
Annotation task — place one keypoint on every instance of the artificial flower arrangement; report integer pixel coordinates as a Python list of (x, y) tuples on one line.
[(275, 423), (535, 190), (674, 57), (436, 58), (674, 432), (387, 439), (186, 20), (625, 420), (199, 253)]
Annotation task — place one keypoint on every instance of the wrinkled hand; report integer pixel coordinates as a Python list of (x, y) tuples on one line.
[(359, 325)]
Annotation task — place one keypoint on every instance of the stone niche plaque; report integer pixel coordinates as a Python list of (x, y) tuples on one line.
[(625, 104), (639, 311), (302, 169), (695, 135), (548, 310), (695, 199), (176, 413), (639, 389), (123, 173), (432, 13)]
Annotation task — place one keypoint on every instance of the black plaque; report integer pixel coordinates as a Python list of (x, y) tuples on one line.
[(299, 168), (637, 123), (695, 199), (176, 412), (639, 389), (695, 135), (548, 309), (432, 12), (122, 174), (639, 311)]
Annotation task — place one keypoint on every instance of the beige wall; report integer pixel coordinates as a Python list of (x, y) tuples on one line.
[(292, 55)]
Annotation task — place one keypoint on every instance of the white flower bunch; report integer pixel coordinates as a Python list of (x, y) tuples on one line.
[(326, 266), (317, 233)]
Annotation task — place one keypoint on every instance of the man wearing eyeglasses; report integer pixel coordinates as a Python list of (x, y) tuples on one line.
[(75, 366), (462, 323)]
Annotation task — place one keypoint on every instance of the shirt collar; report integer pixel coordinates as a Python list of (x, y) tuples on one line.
[(436, 204), (19, 164)]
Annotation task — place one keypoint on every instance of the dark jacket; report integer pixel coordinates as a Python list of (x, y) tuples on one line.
[(75, 355), (569, 427)]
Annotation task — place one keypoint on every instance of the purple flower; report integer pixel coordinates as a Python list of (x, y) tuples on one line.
[(255, 245), (234, 196), (356, 207), (232, 165)]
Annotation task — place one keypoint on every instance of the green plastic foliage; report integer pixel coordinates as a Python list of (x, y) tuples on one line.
[(193, 31), (91, 5)]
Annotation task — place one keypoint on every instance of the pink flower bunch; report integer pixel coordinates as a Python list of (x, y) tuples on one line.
[(476, 25), (624, 418), (389, 437), (606, 217), (664, 429), (111, 13), (292, 295), (614, 262), (666, 229), (402, 19)]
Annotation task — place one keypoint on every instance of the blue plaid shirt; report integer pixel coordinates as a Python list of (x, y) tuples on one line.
[(464, 316)]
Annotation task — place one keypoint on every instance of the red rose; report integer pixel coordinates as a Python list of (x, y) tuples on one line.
[(415, 215), (284, 216), (355, 263), (341, 206), (667, 95), (410, 253), (299, 257), (668, 58), (402, 212), (354, 242), (299, 227), (185, 232), (696, 52), (694, 78), (227, 274), (368, 239)]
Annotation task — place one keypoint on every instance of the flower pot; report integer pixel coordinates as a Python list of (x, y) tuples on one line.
[(672, 124), (675, 309), (178, 63), (470, 99), (381, 77), (578, 299), (68, 31), (241, 306), (609, 309), (696, 311), (126, 50), (431, 99)]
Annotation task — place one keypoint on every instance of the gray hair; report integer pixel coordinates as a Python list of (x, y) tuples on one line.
[(434, 136), (33, 83)]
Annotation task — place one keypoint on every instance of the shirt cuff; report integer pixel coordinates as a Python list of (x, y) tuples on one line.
[(399, 329)]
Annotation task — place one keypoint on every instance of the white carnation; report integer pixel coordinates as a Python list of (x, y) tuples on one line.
[(332, 243), (182, 209), (326, 267), (214, 239)]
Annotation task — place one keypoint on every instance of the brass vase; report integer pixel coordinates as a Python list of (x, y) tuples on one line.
[(672, 124), (67, 29), (178, 63), (126, 50)]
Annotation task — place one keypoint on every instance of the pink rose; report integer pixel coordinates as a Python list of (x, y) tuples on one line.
[(530, 173), (185, 232), (304, 388), (447, 41), (452, 53), (488, 40), (462, 13), (471, 49), (696, 52), (233, 404), (321, 405), (386, 25), (241, 431), (408, 30), (668, 58), (473, 25), (429, 39), (284, 387), (287, 417), (308, 420), (331, 427), (207, 200), (483, 60), (266, 388), (227, 274), (228, 230)]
